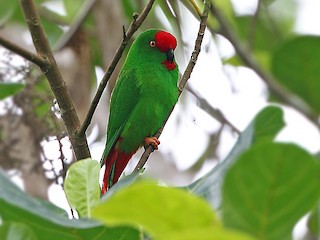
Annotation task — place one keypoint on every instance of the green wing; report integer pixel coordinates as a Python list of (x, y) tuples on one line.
[(125, 97)]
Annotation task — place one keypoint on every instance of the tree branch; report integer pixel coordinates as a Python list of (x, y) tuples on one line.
[(135, 24), (214, 112), (185, 77), (57, 84), (22, 52)]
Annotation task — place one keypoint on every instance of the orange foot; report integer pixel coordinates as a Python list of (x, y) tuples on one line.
[(153, 141)]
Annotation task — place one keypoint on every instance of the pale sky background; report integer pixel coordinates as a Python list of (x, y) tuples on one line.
[(212, 82)]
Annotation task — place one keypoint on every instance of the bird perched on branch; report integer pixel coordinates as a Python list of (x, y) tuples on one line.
[(145, 92)]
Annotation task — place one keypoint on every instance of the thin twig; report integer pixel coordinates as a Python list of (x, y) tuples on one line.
[(57, 84), (22, 52), (182, 82), (195, 7), (135, 24), (214, 112)]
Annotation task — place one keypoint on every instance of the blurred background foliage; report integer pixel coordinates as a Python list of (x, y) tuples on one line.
[(34, 148)]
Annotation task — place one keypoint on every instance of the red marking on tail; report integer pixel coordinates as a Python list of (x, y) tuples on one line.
[(121, 160), (108, 161)]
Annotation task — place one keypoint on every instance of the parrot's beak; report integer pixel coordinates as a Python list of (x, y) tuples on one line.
[(170, 55)]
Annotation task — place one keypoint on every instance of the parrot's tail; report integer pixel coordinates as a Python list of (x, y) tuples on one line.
[(119, 160)]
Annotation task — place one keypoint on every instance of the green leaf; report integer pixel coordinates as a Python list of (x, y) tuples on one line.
[(158, 210), (226, 8), (123, 182), (82, 186), (234, 61), (9, 89), (128, 8), (264, 127), (258, 32), (266, 29), (283, 15), (16, 231), (7, 9), (52, 30), (44, 218), (41, 106), (314, 222), (269, 189), (72, 9), (209, 234), (296, 65), (263, 58)]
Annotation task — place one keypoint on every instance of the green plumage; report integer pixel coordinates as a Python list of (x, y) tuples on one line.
[(144, 94)]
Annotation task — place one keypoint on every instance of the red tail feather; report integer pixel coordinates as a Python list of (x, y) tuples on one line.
[(121, 163), (121, 160), (108, 162)]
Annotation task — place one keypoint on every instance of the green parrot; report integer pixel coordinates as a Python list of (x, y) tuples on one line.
[(145, 92)]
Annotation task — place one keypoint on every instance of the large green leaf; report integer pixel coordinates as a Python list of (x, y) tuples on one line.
[(269, 189), (82, 186), (16, 231), (259, 34), (123, 182), (264, 127), (9, 89), (209, 234), (160, 211), (296, 65), (45, 219)]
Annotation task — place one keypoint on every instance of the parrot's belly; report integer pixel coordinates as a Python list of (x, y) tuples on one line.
[(145, 121)]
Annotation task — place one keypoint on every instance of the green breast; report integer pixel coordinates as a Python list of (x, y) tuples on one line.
[(159, 93)]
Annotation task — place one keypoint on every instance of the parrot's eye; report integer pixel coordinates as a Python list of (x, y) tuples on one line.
[(152, 43)]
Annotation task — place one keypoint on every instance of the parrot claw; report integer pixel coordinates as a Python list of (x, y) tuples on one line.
[(151, 141)]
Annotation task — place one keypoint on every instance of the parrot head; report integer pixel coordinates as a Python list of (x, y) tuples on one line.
[(154, 46)]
